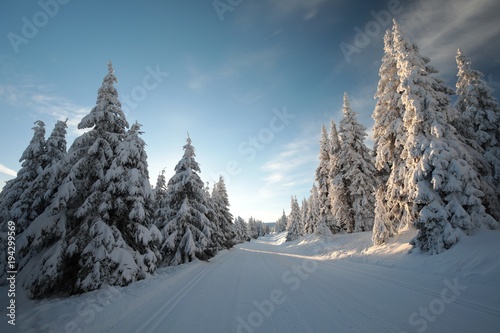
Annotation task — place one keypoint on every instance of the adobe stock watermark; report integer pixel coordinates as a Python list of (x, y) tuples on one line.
[(11, 270), (139, 93), (372, 29), (420, 319), (223, 6), (31, 26), (250, 147)]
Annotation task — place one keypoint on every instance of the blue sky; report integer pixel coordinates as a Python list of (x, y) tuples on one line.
[(251, 81)]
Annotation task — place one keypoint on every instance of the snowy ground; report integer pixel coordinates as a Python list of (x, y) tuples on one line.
[(342, 284)]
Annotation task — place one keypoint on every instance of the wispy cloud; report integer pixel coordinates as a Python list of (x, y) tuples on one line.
[(42, 100), (7, 171), (441, 27), (276, 12), (274, 34), (60, 109), (261, 60), (292, 168), (308, 8)]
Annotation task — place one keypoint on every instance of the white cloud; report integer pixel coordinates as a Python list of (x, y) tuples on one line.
[(7, 171)]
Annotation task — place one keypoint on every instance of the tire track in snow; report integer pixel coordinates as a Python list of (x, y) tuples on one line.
[(153, 322), (273, 278)]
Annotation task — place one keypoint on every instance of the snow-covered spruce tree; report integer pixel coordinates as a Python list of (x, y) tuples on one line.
[(304, 214), (241, 230), (257, 228), (294, 225), (13, 204), (478, 121), (83, 240), (382, 226), (281, 223), (224, 218), (477, 109), (45, 185), (309, 220), (334, 176), (443, 188), (323, 181), (217, 234), (253, 228), (186, 229), (354, 185), (314, 219), (264, 228), (160, 198), (391, 209), (131, 200)]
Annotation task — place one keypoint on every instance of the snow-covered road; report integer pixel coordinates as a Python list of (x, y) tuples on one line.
[(270, 286)]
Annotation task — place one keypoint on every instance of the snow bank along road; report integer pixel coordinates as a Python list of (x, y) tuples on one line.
[(270, 286)]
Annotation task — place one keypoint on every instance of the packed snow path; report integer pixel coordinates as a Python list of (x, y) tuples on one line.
[(270, 286)]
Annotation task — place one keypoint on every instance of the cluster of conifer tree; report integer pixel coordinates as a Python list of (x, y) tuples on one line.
[(434, 166), (88, 216)]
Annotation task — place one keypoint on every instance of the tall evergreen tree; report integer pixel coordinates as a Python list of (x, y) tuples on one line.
[(217, 234), (45, 184), (86, 239), (13, 204), (334, 175), (478, 122), (308, 220), (354, 185), (476, 103), (443, 188), (186, 229), (314, 215), (294, 226), (253, 228), (131, 199), (256, 228), (241, 230), (160, 198), (383, 226), (224, 218), (391, 211), (281, 222), (304, 215), (323, 180)]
